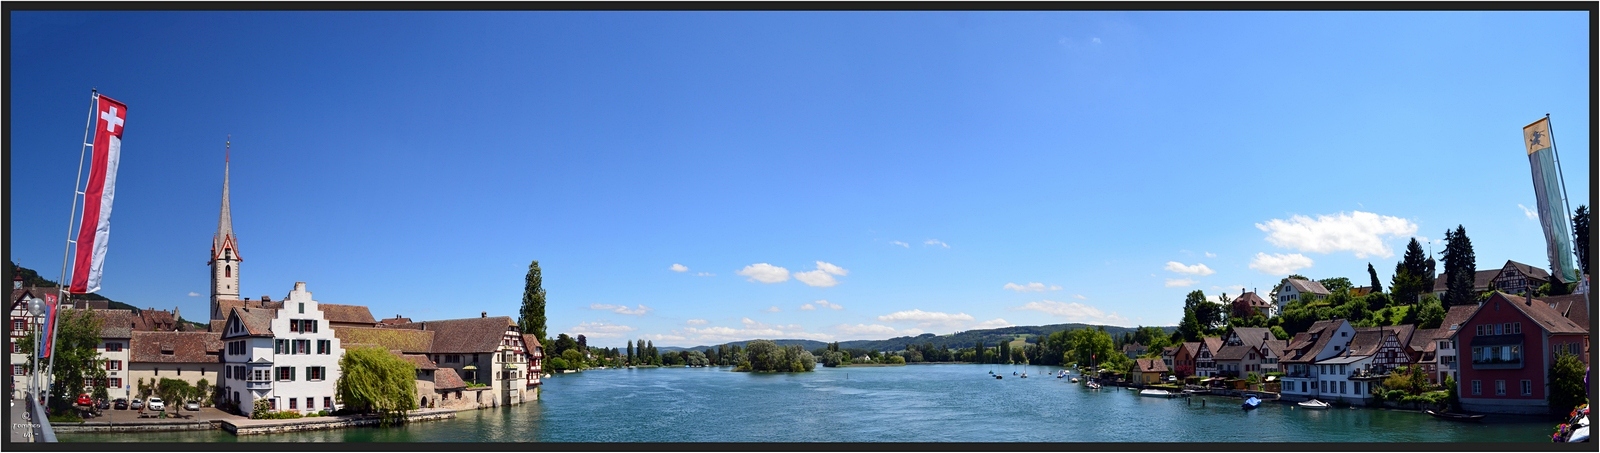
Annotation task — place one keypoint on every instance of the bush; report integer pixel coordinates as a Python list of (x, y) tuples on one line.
[(66, 417), (275, 415)]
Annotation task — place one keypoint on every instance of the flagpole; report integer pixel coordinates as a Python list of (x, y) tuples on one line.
[(66, 254), (1562, 174)]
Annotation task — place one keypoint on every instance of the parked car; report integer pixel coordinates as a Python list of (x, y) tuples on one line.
[(192, 405), (102, 404), (136, 404), (155, 404), (84, 400), (120, 404)]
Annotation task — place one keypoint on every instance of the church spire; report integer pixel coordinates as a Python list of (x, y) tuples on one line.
[(225, 259), (225, 223)]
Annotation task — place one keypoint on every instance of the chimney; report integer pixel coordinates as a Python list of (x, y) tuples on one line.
[(483, 314)]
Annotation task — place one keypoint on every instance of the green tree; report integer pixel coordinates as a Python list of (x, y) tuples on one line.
[(1567, 389), (532, 319), (1430, 313), (1190, 327), (1208, 313), (1336, 284), (573, 357), (1377, 285), (630, 352), (1411, 275), (1580, 236), (562, 344), (77, 362), (1460, 268), (372, 380), (1277, 331)]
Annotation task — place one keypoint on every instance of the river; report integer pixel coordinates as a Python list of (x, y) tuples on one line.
[(918, 403)]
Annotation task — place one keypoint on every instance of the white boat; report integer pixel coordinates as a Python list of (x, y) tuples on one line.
[(1158, 393), (1074, 380), (1313, 404)]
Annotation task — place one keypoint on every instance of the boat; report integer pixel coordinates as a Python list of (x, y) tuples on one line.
[(1158, 393), (1094, 385), (1251, 403), (1073, 380), (1454, 417), (1313, 404), (1024, 375), (999, 376)]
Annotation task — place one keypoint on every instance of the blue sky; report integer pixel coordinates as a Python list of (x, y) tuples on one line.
[(910, 172)]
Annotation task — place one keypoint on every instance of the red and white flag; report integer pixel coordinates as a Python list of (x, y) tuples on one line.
[(95, 230)]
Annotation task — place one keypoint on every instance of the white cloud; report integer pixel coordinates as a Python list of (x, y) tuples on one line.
[(823, 276), (1075, 312), (765, 273), (1196, 269), (1532, 214), (1279, 264), (1080, 297), (808, 307), (753, 330), (902, 244), (665, 337), (992, 324), (705, 274), (832, 269), (194, 294), (621, 309), (599, 330), (1180, 282), (679, 268), (1033, 287), (1210, 255), (1358, 232), (772, 309), (936, 242), (874, 331), (697, 322), (927, 318), (824, 303)]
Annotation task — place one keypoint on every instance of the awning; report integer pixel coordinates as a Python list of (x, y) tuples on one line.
[(470, 367)]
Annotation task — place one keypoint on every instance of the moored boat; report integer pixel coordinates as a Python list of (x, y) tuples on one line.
[(1094, 385), (1313, 404), (1251, 403), (1073, 380), (1454, 417), (1158, 393)]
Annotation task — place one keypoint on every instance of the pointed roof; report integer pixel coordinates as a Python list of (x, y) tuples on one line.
[(224, 238), (1308, 286)]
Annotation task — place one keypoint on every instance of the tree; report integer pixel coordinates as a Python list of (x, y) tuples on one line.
[(1580, 236), (1377, 286), (531, 319), (562, 344), (203, 390), (371, 380), (1430, 313), (1411, 275), (1209, 314), (1460, 268), (1277, 331), (1190, 328), (573, 358), (630, 352), (77, 362), (1567, 389), (1336, 284)]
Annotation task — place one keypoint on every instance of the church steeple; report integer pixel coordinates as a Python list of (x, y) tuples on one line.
[(225, 257)]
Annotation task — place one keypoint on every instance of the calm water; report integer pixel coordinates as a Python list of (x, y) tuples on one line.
[(921, 403)]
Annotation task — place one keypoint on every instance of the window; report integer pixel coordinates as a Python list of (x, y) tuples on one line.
[(1477, 387), (1527, 387), (230, 370), (302, 346), (1356, 387), (1516, 327), (114, 346), (281, 346), (16, 348), (1499, 386), (18, 370), (303, 311), (316, 373), (115, 383), (227, 271), (292, 402), (18, 324), (272, 404), (1479, 331), (324, 346), (286, 373), (1341, 387), (327, 402), (1302, 386), (114, 365)]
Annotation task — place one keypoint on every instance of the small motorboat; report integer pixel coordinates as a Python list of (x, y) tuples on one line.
[(999, 376), (1094, 385), (1313, 404), (1454, 417), (1024, 375), (1157, 393), (1073, 380), (1251, 403)]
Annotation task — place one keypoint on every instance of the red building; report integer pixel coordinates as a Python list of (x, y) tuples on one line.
[(1506, 349)]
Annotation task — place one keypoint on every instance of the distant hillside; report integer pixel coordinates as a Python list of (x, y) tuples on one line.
[(965, 339), (32, 278)]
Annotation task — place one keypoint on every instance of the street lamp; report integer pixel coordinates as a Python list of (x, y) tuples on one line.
[(37, 309)]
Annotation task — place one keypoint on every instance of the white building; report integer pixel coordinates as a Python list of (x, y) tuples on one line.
[(1323, 340), (288, 357), (1292, 288)]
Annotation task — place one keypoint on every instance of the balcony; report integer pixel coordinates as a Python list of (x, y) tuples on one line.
[(258, 385), (1496, 363)]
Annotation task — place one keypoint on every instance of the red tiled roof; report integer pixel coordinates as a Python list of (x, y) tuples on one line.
[(346, 314), (1574, 307), (409, 341), (1457, 315), (114, 323), (1315, 340), (420, 361), (532, 344), (227, 305), (1213, 344), (175, 347), (1540, 313), (446, 378), (397, 319), (257, 321), (1480, 281), (1252, 299), (1235, 352), (468, 335), (1151, 365)]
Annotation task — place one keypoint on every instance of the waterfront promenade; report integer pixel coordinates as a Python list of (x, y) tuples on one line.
[(129, 421)]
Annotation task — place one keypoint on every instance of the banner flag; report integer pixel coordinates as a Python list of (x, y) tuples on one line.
[(1547, 190), (95, 230), (47, 342)]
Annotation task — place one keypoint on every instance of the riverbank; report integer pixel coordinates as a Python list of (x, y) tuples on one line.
[(213, 420), (249, 427)]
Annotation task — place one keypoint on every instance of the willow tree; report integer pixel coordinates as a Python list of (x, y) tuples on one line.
[(371, 380)]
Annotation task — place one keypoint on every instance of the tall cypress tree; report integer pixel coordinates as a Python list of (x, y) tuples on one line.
[(1377, 285), (1580, 239), (630, 352), (977, 352), (531, 319), (1460, 268), (1410, 275)]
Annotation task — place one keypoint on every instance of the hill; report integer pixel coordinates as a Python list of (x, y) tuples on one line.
[(964, 339), (32, 278)]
